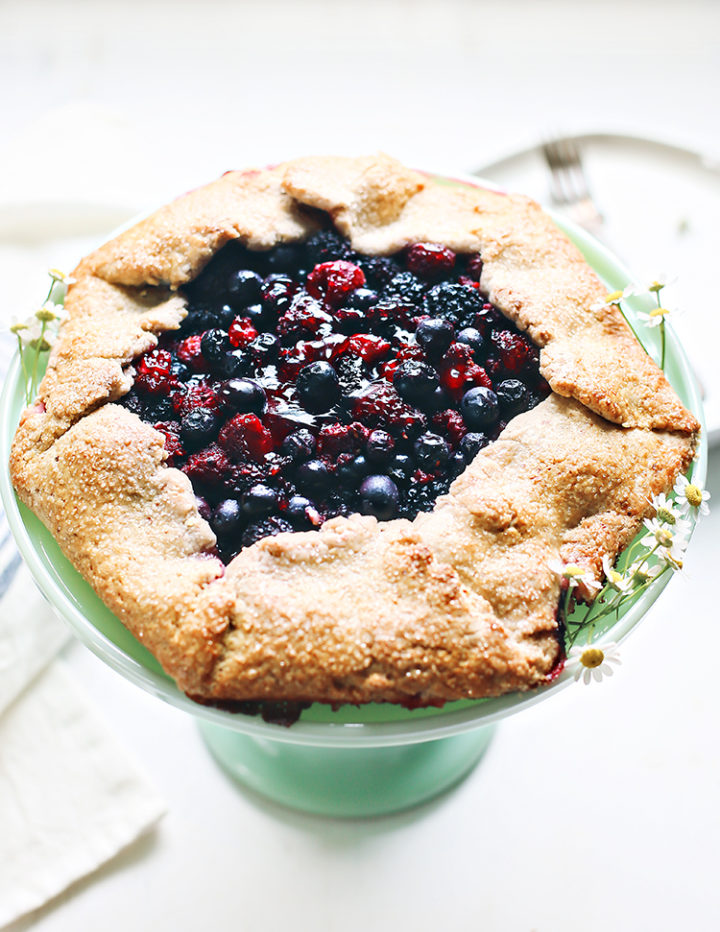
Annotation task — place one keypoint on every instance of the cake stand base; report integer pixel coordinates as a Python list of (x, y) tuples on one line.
[(346, 781)]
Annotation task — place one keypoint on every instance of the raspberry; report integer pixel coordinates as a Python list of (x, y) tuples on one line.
[(335, 439), (368, 347), (245, 437), (209, 466), (173, 445), (305, 314), (334, 281), (450, 423), (155, 362), (430, 261), (474, 267), (197, 395), (242, 332), (381, 406), (190, 351), (515, 352)]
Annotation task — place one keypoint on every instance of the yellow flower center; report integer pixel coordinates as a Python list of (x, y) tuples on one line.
[(572, 571), (659, 312), (613, 297), (656, 286), (45, 314), (664, 514), (663, 537), (592, 657), (694, 495)]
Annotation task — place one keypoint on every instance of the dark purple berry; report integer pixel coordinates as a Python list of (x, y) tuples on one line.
[(416, 382), (362, 299), (259, 501), (405, 287), (379, 497), (302, 512), (300, 445), (318, 387), (214, 344), (479, 408), (513, 397), (431, 452), (244, 396), (227, 518), (198, 427), (352, 472), (471, 444), (380, 447), (434, 336), (472, 338), (243, 289), (314, 478)]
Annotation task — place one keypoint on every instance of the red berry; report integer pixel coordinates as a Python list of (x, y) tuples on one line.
[(516, 353), (334, 281), (474, 267), (155, 362), (451, 424), (200, 395), (335, 439), (209, 466), (190, 351), (173, 445), (430, 261), (368, 347), (245, 437), (242, 332)]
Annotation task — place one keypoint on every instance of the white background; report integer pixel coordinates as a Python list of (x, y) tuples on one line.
[(596, 810)]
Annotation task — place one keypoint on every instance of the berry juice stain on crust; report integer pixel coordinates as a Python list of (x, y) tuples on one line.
[(312, 381)]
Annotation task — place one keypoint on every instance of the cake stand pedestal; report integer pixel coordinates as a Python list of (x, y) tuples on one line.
[(346, 781)]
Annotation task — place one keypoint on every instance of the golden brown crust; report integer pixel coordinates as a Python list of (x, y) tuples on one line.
[(460, 603)]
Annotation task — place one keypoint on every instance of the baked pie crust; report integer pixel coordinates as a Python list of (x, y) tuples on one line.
[(460, 602)]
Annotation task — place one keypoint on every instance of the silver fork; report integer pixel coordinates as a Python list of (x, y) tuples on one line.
[(569, 188)]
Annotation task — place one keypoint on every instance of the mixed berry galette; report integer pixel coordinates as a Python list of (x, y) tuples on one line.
[(317, 432)]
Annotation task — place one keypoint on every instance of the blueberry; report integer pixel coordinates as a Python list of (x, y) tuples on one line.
[(302, 512), (472, 338), (431, 452), (158, 409), (223, 316), (232, 364), (227, 518), (352, 473), (244, 395), (479, 407), (243, 288), (362, 299), (415, 381), (299, 445), (197, 427), (471, 444), (214, 344), (513, 397), (259, 501), (314, 478), (379, 497), (197, 319), (277, 293), (434, 336), (456, 464), (318, 387), (264, 347), (180, 370), (380, 447)]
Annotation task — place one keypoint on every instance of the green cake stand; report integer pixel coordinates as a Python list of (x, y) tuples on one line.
[(356, 761)]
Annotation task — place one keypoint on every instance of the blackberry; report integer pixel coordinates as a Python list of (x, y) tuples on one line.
[(267, 528), (326, 246), (455, 303), (404, 287), (380, 270)]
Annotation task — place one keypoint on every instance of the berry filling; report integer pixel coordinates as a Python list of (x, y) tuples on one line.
[(312, 381)]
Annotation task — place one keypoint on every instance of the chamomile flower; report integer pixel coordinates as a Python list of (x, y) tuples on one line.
[(26, 330), (612, 299), (593, 661), (641, 572), (61, 277), (653, 318), (691, 497), (667, 510), (620, 582), (575, 575)]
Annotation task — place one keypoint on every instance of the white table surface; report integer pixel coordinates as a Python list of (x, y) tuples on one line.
[(596, 810)]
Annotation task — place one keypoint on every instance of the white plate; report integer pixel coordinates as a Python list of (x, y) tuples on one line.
[(661, 203)]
